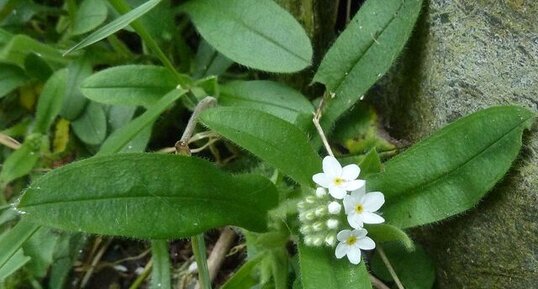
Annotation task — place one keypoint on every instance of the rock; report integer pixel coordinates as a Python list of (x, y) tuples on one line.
[(464, 56)]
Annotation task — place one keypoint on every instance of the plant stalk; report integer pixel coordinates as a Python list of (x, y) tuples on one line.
[(199, 251)]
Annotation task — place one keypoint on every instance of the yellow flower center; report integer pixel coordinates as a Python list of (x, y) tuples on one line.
[(351, 240), (338, 181), (359, 209)]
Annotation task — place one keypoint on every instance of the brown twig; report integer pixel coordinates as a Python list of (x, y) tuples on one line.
[(377, 283), (315, 120)]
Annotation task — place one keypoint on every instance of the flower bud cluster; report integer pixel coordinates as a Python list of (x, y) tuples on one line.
[(320, 218)]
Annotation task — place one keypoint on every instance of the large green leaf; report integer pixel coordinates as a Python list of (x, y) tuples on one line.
[(11, 77), (90, 14), (129, 85), (128, 194), (364, 52), (114, 26), (122, 136), (268, 96), (272, 139), (50, 101), (450, 171), (259, 34), (20, 46), (321, 269)]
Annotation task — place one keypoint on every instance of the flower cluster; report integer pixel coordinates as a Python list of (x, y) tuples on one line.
[(321, 214)]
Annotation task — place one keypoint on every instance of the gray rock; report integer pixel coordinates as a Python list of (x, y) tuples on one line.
[(464, 56)]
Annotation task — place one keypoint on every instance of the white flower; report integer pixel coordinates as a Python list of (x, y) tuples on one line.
[(351, 243), (337, 179), (360, 208)]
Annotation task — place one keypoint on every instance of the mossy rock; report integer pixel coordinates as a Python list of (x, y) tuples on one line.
[(465, 56)]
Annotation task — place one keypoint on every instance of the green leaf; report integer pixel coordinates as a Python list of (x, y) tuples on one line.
[(129, 85), (121, 137), (270, 97), (370, 164), (257, 34), (23, 160), (414, 269), (20, 46), (387, 233), (321, 269), (40, 248), (114, 26), (74, 101), (209, 62), (12, 241), (160, 273), (272, 139), (13, 264), (364, 52), (450, 171), (11, 77), (90, 127), (37, 67), (245, 277), (90, 14), (127, 194), (50, 101)]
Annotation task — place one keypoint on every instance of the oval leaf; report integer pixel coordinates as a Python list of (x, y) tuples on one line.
[(259, 34), (273, 140), (128, 194), (116, 25), (90, 127), (129, 85), (90, 14), (50, 101), (450, 171), (321, 269), (383, 233), (11, 77), (364, 52), (272, 97)]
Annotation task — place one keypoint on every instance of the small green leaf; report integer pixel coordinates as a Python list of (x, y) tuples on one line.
[(364, 52), (74, 101), (387, 233), (121, 137), (20, 46), (209, 62), (90, 127), (129, 85), (37, 67), (257, 34), (245, 277), (414, 269), (90, 14), (127, 194), (114, 26), (450, 171), (160, 273), (11, 77), (321, 269), (40, 248), (50, 101), (21, 161), (272, 139), (370, 164), (270, 97), (12, 240)]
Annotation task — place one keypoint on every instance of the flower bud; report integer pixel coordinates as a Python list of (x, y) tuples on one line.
[(317, 241), (305, 229), (318, 226), (330, 240), (310, 199), (334, 207), (321, 192), (321, 211), (332, 223)]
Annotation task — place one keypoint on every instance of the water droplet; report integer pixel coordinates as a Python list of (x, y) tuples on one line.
[(362, 97), (130, 147)]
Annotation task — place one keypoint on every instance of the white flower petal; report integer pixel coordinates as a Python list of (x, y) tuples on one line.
[(343, 235), (373, 201), (350, 172), (354, 256), (337, 192), (332, 167), (354, 185), (341, 250), (322, 180), (355, 221), (349, 204), (366, 243), (360, 233), (372, 218)]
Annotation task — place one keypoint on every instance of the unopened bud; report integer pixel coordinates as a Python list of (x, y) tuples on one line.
[(334, 208), (318, 226), (321, 211), (330, 240), (321, 192), (310, 199), (305, 229), (317, 241), (332, 223)]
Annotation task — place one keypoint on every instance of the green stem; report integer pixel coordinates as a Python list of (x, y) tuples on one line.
[(389, 267), (199, 250), (122, 7)]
